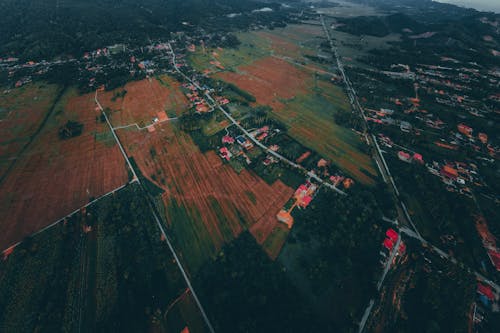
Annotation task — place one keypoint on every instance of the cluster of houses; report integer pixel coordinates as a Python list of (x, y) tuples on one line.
[(486, 301), (390, 241), (458, 176), (302, 197), (196, 101)]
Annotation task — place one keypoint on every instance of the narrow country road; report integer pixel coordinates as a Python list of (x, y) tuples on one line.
[(157, 220)]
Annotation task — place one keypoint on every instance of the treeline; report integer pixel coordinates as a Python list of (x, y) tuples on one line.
[(118, 277), (35, 30)]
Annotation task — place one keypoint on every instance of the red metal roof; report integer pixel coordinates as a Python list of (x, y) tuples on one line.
[(388, 244), (393, 235), (495, 259), (486, 291)]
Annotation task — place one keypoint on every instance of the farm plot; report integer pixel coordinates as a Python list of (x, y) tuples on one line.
[(307, 105), (22, 111), (207, 202), (142, 101), (54, 176)]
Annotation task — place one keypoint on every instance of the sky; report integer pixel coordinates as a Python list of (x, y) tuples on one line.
[(486, 5)]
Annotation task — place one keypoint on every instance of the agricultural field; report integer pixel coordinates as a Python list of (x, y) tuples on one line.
[(307, 105), (103, 269), (22, 112), (140, 102), (207, 203), (299, 91), (53, 177)]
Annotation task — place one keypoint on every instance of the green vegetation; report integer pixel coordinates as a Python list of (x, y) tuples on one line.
[(70, 130), (267, 301), (425, 294), (118, 276), (437, 212)]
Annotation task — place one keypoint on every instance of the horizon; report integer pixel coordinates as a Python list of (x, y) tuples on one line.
[(480, 5)]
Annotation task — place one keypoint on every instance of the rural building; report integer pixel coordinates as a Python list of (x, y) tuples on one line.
[(404, 156), (304, 194), (286, 218), (405, 126), (465, 130), (418, 158), (449, 172), (227, 139), (225, 153)]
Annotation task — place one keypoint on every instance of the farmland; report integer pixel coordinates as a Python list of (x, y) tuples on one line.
[(128, 104), (22, 112), (207, 202), (115, 275), (299, 91), (53, 177)]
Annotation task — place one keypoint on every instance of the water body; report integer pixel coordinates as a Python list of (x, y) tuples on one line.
[(482, 5)]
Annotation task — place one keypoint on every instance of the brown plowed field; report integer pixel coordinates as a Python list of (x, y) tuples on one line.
[(207, 202), (22, 111), (55, 177), (270, 80), (144, 100)]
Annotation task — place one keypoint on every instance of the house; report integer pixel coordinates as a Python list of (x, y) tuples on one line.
[(405, 126), (304, 194), (241, 140), (392, 234), (225, 153), (418, 158), (286, 218), (388, 244), (449, 172), (465, 130), (483, 138), (495, 258), (262, 136), (404, 156), (347, 183), (486, 291), (303, 157), (227, 139)]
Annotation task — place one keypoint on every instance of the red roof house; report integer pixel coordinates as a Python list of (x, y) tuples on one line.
[(495, 258), (388, 244), (393, 235), (486, 291)]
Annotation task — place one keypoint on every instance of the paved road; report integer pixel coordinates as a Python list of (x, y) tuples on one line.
[(158, 222), (247, 134), (404, 217)]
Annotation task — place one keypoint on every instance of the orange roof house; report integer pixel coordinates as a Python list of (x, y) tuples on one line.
[(449, 171), (285, 217), (303, 157)]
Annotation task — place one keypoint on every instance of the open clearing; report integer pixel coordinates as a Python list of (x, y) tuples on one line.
[(207, 202), (54, 176), (145, 100), (22, 111), (272, 66)]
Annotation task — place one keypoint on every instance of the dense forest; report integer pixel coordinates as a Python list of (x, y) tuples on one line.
[(43, 29), (105, 269)]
